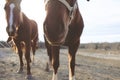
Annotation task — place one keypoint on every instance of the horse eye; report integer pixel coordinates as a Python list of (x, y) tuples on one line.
[(5, 7)]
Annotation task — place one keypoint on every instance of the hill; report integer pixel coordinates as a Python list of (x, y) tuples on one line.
[(95, 46)]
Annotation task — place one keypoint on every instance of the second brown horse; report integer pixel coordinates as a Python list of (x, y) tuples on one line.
[(22, 30)]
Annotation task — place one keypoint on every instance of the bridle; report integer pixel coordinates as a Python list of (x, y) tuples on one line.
[(70, 9), (71, 14)]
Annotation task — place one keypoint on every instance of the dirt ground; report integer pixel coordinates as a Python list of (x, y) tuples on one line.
[(89, 66)]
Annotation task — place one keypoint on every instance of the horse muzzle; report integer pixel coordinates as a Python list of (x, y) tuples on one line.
[(11, 33)]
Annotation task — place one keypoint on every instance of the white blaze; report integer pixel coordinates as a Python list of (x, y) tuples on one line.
[(11, 16)]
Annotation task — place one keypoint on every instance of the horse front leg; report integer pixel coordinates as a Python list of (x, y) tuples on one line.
[(34, 44), (49, 62), (28, 60), (55, 61), (20, 53), (71, 56), (49, 52)]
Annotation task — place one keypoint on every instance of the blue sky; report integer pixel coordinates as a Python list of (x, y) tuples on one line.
[(101, 19)]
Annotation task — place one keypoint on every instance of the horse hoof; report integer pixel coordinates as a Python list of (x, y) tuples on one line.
[(47, 70), (33, 63), (20, 71), (29, 77)]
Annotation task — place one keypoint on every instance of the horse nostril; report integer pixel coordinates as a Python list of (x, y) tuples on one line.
[(10, 30), (7, 29), (10, 33)]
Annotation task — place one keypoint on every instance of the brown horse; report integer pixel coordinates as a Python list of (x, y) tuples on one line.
[(63, 25), (22, 30)]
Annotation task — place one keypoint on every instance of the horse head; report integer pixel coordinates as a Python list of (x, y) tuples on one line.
[(13, 16), (59, 14), (57, 20)]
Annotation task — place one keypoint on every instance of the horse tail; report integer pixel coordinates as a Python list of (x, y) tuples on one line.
[(23, 48)]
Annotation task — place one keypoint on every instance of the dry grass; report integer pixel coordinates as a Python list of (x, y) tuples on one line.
[(87, 68)]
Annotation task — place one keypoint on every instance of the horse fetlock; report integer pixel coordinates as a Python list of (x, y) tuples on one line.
[(29, 77), (72, 78), (47, 67), (54, 77), (20, 71)]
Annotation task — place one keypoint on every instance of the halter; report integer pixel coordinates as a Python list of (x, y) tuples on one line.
[(71, 13), (71, 9)]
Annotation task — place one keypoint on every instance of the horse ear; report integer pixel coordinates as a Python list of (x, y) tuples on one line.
[(19, 1), (7, 0), (14, 1)]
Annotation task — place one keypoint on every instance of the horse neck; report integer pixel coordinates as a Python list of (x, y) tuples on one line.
[(23, 18)]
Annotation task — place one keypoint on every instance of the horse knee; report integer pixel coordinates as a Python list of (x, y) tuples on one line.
[(27, 57), (72, 65)]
